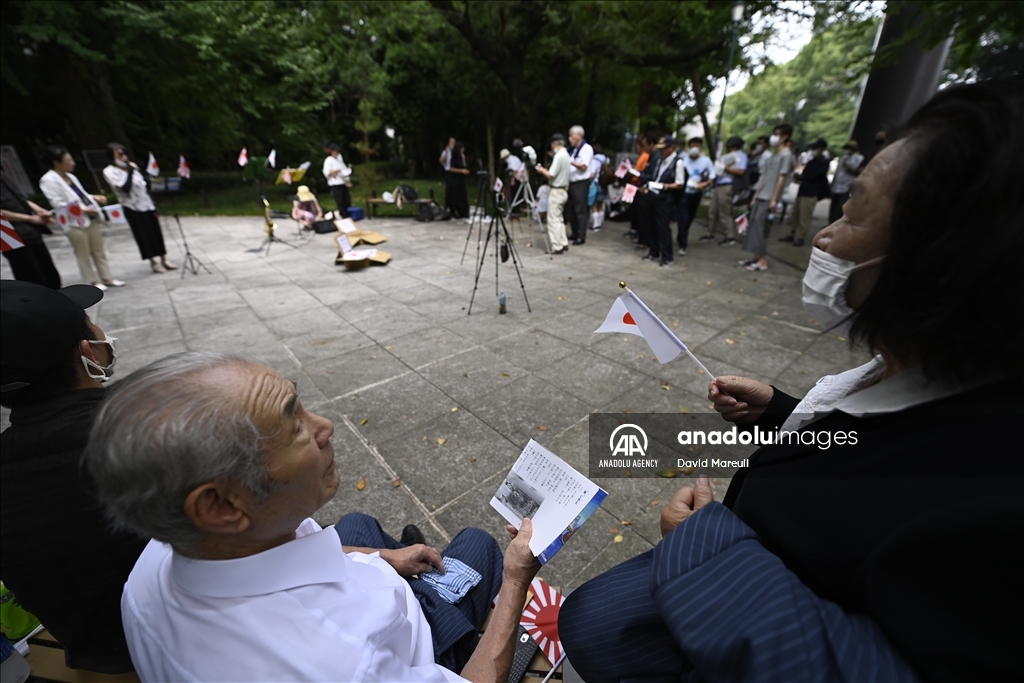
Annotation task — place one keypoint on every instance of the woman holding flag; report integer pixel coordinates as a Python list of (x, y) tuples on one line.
[(131, 185), (75, 210), (896, 556)]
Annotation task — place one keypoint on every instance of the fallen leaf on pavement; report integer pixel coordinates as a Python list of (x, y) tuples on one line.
[(619, 539), (364, 421), (455, 409), (441, 442), (361, 485), (730, 342), (665, 386), (396, 483), (542, 428)]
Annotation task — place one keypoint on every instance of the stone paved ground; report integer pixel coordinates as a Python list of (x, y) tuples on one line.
[(390, 355)]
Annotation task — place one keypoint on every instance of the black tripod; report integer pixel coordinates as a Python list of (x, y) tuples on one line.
[(271, 237), (477, 220), (501, 249), (192, 264)]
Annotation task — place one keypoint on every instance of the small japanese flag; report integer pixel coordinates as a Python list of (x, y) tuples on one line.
[(498, 184), (630, 315), (183, 170), (741, 224), (628, 194), (623, 169), (115, 214), (540, 619), (9, 240), (152, 168), (286, 175), (243, 157), (272, 159)]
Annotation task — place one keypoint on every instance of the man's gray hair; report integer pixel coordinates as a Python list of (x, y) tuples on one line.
[(576, 130), (161, 432)]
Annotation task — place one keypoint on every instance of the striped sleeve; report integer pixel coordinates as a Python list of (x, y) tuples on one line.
[(739, 614)]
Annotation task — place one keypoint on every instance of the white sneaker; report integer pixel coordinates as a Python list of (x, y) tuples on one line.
[(117, 283), (682, 252), (100, 286)]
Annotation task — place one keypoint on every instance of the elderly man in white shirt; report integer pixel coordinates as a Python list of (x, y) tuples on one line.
[(577, 212), (339, 177), (217, 460)]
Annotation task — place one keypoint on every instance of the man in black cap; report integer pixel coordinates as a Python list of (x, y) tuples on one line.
[(813, 187), (59, 556)]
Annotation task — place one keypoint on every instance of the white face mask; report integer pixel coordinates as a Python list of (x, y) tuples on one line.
[(121, 163), (774, 141), (824, 290), (103, 372), (694, 152)]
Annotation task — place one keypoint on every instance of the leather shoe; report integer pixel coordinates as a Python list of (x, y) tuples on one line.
[(579, 241), (411, 535)]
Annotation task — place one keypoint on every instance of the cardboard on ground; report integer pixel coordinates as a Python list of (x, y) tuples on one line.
[(354, 258), (347, 227)]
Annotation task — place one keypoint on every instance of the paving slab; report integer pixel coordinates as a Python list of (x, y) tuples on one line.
[(387, 352)]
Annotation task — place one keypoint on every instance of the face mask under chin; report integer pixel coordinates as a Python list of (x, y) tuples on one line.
[(101, 373)]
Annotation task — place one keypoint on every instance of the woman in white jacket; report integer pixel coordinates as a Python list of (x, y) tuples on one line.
[(63, 189)]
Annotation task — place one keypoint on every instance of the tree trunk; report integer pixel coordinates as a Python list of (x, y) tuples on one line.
[(109, 104), (698, 95)]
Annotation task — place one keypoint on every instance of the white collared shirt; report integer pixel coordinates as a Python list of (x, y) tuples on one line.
[(303, 611), (584, 155), (60, 194), (331, 164), (137, 198), (859, 392)]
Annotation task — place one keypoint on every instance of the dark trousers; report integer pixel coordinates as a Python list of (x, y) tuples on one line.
[(576, 210), (32, 263), (662, 207), (454, 629), (642, 220), (342, 197), (835, 208), (624, 638), (687, 212), (146, 230)]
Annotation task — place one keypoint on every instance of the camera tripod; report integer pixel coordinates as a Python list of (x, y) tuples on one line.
[(524, 195), (477, 218), (504, 247)]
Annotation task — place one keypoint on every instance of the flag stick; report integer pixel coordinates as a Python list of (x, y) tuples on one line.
[(553, 667), (665, 327)]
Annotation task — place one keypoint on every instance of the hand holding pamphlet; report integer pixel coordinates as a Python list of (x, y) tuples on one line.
[(557, 498)]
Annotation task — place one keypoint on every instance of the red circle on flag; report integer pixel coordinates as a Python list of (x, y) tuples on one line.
[(628, 319)]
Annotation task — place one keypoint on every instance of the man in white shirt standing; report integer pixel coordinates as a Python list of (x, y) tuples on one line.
[(577, 212), (558, 181), (339, 177), (216, 459), (700, 173)]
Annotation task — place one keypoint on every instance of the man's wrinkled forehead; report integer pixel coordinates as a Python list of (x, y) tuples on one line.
[(259, 391)]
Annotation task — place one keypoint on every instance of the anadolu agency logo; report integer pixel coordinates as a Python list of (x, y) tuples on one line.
[(628, 444)]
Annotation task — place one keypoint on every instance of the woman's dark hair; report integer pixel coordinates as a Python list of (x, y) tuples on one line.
[(333, 146), (53, 154), (949, 293), (113, 147), (60, 378)]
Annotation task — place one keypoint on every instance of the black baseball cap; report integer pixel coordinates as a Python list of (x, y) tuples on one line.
[(38, 327), (559, 138)]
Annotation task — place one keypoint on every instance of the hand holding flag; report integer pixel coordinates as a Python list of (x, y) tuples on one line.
[(540, 619), (630, 315)]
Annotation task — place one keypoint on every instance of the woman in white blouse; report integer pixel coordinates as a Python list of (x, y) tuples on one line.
[(131, 186), (63, 189)]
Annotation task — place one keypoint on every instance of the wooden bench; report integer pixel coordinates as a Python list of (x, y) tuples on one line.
[(374, 201), (46, 658)]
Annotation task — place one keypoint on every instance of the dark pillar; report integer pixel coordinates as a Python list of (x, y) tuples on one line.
[(893, 93)]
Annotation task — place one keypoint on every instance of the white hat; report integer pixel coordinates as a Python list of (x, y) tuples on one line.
[(503, 154)]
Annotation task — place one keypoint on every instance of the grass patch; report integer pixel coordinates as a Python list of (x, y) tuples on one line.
[(226, 194)]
